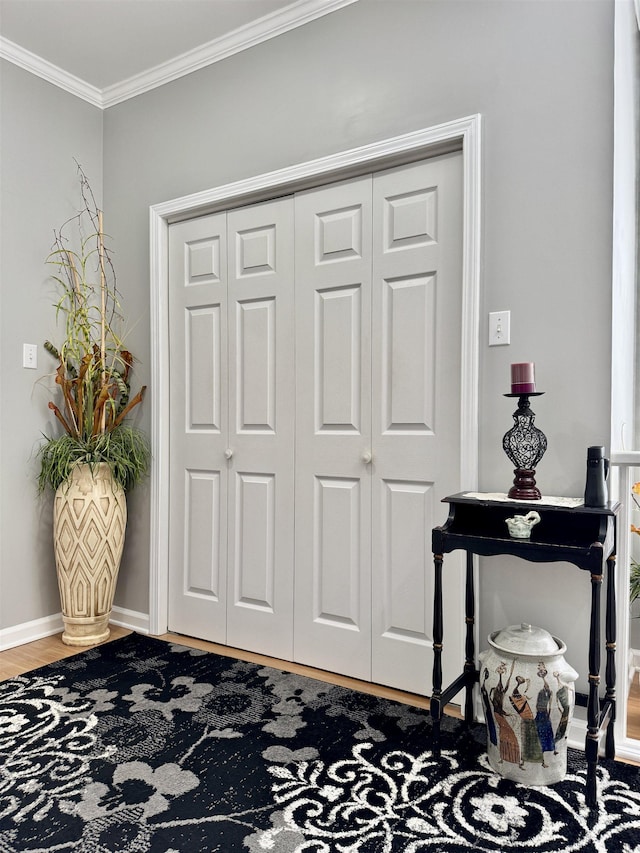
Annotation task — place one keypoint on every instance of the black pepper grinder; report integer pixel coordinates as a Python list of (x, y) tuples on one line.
[(595, 493)]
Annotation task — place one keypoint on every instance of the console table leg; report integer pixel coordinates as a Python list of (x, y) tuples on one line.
[(593, 706), (610, 672), (436, 693), (470, 652)]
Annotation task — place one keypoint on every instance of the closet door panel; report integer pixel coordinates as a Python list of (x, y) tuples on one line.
[(338, 374), (416, 410), (407, 380), (254, 569), (255, 369), (261, 428), (406, 507), (198, 427), (333, 376), (322, 427)]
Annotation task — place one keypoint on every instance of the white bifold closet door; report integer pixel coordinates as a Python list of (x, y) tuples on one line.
[(319, 421), (232, 427), (378, 307)]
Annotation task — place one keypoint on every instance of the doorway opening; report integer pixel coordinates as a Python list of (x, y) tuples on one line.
[(460, 135)]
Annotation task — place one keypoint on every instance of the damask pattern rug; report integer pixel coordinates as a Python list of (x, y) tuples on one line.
[(140, 745)]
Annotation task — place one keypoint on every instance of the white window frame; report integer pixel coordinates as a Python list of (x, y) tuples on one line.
[(624, 382)]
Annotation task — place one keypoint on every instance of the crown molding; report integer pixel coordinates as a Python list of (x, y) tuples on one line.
[(49, 72), (245, 37), (295, 15)]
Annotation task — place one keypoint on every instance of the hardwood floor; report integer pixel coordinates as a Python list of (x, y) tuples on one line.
[(30, 656)]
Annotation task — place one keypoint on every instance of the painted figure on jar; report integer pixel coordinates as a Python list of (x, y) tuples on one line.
[(509, 746), (486, 705), (531, 750), (543, 714), (564, 706)]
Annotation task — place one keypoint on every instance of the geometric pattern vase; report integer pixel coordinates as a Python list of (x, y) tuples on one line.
[(89, 521)]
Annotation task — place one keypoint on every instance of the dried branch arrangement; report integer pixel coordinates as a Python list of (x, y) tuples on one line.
[(94, 367)]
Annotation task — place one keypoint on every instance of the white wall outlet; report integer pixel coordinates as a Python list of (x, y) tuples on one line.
[(499, 328), (30, 355)]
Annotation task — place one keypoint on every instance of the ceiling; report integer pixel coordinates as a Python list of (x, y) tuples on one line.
[(107, 50)]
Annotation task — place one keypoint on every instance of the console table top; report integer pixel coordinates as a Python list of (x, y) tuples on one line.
[(547, 502)]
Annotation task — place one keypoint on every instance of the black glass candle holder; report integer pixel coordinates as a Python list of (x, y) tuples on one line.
[(525, 446)]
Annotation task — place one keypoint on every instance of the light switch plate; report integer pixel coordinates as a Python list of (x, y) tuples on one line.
[(499, 328), (30, 356)]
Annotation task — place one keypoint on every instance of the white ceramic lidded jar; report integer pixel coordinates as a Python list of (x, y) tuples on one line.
[(528, 699)]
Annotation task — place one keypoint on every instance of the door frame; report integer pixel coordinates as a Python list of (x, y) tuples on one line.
[(458, 135)]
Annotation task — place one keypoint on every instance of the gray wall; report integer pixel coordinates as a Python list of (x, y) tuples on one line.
[(541, 75), (42, 130)]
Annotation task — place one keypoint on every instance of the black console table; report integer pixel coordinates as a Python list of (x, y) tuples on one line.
[(582, 536)]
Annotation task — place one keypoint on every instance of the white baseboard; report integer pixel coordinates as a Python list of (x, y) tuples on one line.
[(130, 619), (626, 748), (577, 733), (27, 632)]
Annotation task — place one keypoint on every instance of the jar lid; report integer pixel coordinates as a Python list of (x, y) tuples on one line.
[(525, 639)]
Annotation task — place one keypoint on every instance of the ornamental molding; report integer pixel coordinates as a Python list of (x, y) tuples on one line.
[(295, 15)]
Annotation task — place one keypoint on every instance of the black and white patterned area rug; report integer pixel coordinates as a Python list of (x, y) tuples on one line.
[(141, 745)]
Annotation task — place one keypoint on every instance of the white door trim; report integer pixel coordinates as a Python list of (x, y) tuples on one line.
[(461, 133)]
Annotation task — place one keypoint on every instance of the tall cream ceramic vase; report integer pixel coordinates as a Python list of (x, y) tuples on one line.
[(89, 521)]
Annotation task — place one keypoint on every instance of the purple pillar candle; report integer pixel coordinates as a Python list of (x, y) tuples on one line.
[(522, 378)]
